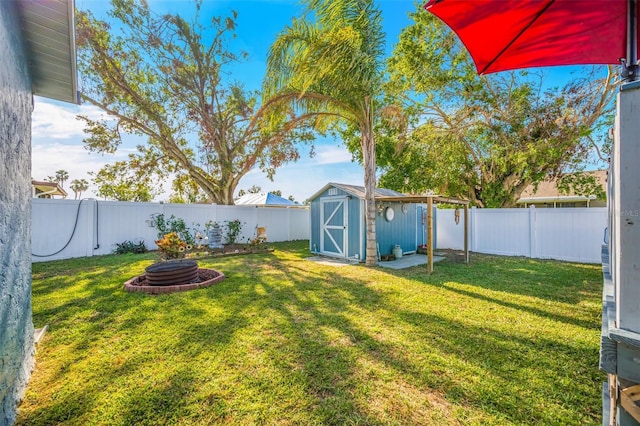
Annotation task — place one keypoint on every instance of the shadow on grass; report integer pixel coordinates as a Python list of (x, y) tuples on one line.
[(543, 279), (284, 340)]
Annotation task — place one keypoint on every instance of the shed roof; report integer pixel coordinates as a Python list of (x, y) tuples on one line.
[(264, 199), (357, 191), (48, 27), (424, 199), (388, 195)]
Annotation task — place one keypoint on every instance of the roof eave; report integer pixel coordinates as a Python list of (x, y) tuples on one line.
[(48, 27), (563, 199)]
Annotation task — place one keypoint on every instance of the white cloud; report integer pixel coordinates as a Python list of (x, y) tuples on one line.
[(59, 122), (57, 144), (47, 158), (331, 154)]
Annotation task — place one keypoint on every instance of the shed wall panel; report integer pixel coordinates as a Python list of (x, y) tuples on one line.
[(355, 218), (401, 230), (314, 235)]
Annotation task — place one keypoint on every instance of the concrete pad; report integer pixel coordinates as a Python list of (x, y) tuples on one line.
[(328, 261), (404, 262), (408, 261)]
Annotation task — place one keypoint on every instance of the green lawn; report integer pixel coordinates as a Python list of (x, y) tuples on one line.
[(286, 341)]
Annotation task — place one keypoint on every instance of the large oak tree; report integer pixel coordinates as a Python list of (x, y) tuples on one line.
[(485, 138), (165, 78)]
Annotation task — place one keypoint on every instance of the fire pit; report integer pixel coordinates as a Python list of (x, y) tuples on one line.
[(174, 271), (173, 276)]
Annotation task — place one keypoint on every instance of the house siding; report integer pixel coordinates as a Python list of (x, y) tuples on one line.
[(16, 330)]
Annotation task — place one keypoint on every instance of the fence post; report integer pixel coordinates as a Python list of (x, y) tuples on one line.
[(90, 225), (533, 247), (472, 228), (289, 222)]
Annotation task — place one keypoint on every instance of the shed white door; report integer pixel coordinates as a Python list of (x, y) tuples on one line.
[(333, 216)]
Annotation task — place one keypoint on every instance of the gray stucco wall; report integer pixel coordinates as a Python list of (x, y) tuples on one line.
[(16, 327)]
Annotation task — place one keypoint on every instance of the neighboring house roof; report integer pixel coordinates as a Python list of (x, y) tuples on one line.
[(49, 29), (264, 199), (41, 189), (548, 192), (357, 191)]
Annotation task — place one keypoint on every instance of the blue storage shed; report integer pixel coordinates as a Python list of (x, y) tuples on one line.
[(338, 227)]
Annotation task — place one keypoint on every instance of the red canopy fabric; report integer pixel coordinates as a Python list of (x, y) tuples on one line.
[(510, 34)]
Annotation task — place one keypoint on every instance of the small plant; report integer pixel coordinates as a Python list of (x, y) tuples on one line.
[(260, 238), (172, 247), (172, 224), (234, 228), (256, 242), (130, 247)]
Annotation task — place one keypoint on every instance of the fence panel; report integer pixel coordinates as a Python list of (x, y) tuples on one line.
[(450, 235), (247, 215), (95, 227), (123, 221), (299, 224), (276, 222), (195, 216), (572, 234), (59, 223), (501, 231), (63, 229)]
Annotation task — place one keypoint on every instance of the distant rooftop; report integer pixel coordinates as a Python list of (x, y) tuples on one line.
[(264, 199), (548, 191), (43, 189)]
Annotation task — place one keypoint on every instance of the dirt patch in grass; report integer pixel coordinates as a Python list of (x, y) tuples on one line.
[(230, 250), (453, 256)]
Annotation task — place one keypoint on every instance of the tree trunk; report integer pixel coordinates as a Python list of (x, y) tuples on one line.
[(369, 163), (227, 195)]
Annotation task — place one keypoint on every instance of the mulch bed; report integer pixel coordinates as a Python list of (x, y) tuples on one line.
[(229, 250), (206, 278)]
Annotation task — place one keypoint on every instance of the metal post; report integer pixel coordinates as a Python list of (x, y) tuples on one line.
[(630, 65), (466, 233), (430, 235)]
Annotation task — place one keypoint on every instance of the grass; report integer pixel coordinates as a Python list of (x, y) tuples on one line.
[(286, 341)]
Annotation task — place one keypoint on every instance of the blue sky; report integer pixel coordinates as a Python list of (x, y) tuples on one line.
[(57, 135)]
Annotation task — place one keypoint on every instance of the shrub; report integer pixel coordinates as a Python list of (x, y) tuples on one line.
[(234, 227), (130, 247), (172, 224), (172, 247)]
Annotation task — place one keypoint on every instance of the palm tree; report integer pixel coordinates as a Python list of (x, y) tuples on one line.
[(329, 64), (61, 177), (78, 186)]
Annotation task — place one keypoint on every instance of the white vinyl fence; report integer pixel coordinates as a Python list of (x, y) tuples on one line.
[(63, 229), (571, 234)]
